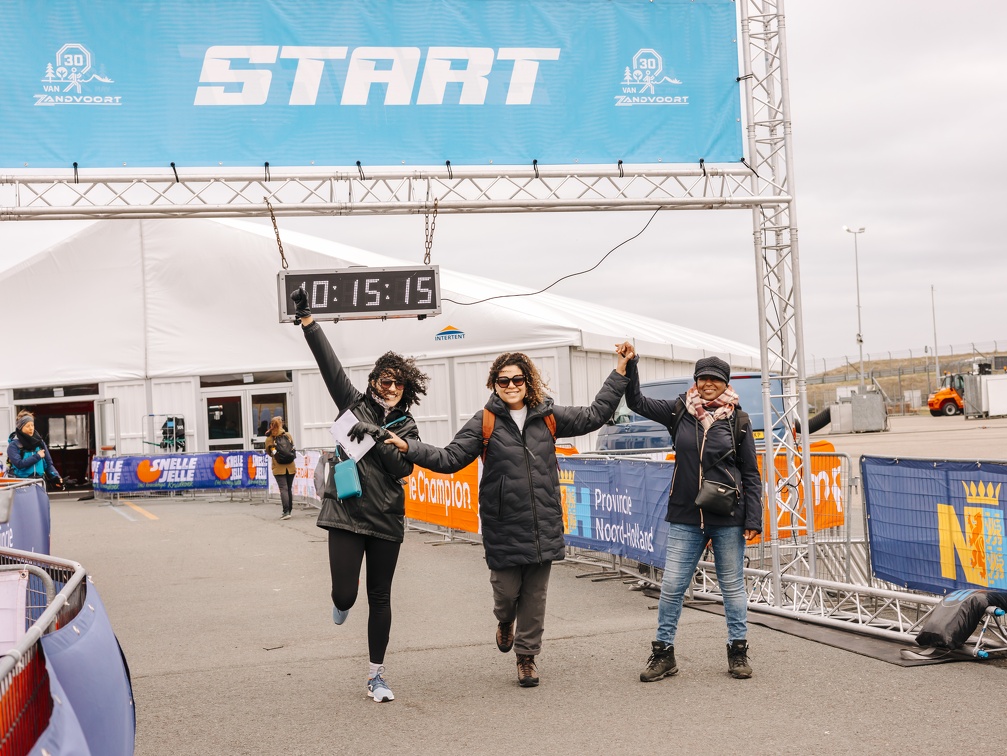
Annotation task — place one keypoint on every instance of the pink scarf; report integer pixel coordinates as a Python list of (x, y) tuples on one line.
[(710, 412)]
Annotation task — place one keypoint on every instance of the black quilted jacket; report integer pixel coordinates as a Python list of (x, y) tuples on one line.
[(519, 501), (381, 510)]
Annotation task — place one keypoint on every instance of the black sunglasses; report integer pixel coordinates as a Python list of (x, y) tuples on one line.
[(517, 380), (386, 383)]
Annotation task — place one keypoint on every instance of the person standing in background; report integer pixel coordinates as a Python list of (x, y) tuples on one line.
[(284, 469)]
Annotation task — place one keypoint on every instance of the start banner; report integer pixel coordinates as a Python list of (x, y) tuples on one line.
[(936, 526), (208, 83), (176, 472)]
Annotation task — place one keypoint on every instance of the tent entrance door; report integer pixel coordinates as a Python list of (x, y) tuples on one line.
[(239, 418)]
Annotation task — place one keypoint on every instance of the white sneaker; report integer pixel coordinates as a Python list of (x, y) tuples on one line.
[(378, 689)]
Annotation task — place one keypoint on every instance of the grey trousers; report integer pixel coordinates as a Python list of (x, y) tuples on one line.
[(519, 594)]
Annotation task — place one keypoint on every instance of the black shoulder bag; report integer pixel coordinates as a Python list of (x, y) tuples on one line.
[(715, 497)]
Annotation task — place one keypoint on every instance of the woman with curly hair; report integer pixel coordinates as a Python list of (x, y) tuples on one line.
[(371, 525), (519, 495)]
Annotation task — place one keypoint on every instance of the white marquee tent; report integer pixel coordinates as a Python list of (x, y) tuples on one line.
[(149, 311)]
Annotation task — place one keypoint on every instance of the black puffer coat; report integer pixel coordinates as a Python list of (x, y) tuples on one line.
[(742, 471), (380, 511), (519, 501)]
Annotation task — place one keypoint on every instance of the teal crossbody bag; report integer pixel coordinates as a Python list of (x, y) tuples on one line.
[(347, 478)]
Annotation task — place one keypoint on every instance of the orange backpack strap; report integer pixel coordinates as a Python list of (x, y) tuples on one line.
[(550, 421), (489, 420)]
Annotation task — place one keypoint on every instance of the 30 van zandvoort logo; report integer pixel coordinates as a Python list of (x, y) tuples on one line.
[(449, 333), (644, 84), (70, 80)]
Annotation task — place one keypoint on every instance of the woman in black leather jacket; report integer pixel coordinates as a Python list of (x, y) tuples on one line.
[(373, 524)]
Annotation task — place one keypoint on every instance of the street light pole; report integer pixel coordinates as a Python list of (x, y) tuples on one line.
[(860, 331), (933, 312)]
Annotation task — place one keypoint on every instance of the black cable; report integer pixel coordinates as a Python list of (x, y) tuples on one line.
[(569, 275)]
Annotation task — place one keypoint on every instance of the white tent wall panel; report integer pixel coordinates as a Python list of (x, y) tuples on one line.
[(471, 393), (131, 404), (315, 411), (588, 371), (178, 396), (433, 413), (6, 422)]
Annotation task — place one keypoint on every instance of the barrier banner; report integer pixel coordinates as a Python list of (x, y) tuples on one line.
[(29, 525), (176, 472), (304, 478), (120, 83), (86, 659), (616, 506), (448, 500), (935, 526), (827, 494)]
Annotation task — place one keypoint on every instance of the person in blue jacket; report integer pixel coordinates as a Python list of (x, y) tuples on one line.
[(27, 454)]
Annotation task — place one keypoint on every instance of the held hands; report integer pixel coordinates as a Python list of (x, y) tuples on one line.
[(302, 313), (397, 442), (358, 431), (626, 352)]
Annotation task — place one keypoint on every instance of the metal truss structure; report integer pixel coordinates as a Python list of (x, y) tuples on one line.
[(763, 185)]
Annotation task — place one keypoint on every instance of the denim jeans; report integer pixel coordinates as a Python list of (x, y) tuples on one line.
[(685, 547)]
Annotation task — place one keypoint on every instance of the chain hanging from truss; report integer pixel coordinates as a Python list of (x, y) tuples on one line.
[(276, 230), (430, 223)]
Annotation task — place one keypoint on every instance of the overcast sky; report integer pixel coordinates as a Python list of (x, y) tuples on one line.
[(898, 116)]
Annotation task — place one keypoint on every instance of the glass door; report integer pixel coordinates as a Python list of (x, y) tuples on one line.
[(106, 423), (263, 408), (224, 428)]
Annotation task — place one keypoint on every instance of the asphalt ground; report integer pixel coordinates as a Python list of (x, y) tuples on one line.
[(223, 612)]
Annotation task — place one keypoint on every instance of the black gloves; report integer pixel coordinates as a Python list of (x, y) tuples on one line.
[(300, 300), (358, 431)]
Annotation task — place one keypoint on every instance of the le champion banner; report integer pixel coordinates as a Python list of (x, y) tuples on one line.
[(217, 83), (175, 472), (936, 526)]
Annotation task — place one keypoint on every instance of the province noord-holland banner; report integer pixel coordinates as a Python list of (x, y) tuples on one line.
[(936, 526), (218, 83)]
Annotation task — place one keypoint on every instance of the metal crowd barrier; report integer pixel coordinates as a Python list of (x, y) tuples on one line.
[(25, 701)]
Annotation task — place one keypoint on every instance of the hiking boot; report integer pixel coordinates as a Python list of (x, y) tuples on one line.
[(505, 636), (378, 689), (527, 672), (661, 663), (737, 659)]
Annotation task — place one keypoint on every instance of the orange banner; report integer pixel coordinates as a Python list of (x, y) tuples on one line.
[(826, 487), (448, 500)]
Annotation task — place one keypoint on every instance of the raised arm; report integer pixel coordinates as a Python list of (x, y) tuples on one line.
[(340, 389), (658, 410), (576, 421)]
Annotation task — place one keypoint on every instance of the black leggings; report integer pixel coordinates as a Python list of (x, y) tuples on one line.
[(286, 481), (346, 553)]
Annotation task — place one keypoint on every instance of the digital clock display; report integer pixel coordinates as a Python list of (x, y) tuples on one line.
[(363, 293)]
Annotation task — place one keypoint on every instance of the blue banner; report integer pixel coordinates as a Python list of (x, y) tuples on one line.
[(169, 472), (207, 83), (617, 506), (86, 660), (29, 525), (936, 526)]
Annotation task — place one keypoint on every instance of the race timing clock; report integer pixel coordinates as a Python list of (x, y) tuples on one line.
[(363, 293)]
